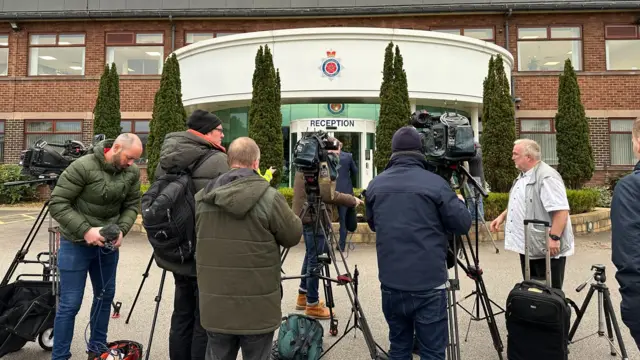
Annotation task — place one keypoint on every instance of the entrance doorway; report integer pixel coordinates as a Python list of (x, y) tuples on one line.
[(351, 144)]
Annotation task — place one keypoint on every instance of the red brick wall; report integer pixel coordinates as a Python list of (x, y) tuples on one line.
[(601, 90)]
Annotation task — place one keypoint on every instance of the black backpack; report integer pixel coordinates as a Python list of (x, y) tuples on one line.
[(168, 215)]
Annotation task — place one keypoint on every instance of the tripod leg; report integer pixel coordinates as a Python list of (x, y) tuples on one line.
[(613, 321), (155, 314), (580, 313), (328, 292), (144, 277)]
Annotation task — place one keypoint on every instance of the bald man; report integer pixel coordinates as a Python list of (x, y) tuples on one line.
[(96, 190)]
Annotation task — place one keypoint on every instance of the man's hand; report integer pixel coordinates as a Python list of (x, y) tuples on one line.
[(93, 237), (554, 247), (119, 241), (358, 201), (495, 224), (273, 170), (460, 197)]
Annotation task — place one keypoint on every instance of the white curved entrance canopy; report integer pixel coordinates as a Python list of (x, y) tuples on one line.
[(325, 65)]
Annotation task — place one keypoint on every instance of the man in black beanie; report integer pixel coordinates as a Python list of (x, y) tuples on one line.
[(412, 210), (199, 149)]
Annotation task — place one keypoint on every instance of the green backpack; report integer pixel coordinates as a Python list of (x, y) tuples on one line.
[(300, 338)]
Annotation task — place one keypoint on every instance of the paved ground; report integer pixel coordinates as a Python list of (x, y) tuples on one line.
[(501, 272)]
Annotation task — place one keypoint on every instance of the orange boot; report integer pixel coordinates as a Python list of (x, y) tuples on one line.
[(301, 302), (319, 311)]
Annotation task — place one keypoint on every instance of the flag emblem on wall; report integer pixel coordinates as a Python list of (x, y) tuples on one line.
[(331, 65)]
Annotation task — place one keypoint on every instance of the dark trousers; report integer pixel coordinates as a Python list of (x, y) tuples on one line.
[(538, 269), (630, 313), (225, 347), (342, 214), (423, 313), (309, 285), (187, 338)]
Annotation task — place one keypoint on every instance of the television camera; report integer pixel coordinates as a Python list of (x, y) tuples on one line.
[(43, 160), (311, 155)]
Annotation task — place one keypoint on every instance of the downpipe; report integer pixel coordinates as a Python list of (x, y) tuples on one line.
[(506, 46)]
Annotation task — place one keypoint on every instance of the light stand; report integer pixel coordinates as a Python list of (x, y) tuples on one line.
[(474, 271), (604, 307), (320, 216)]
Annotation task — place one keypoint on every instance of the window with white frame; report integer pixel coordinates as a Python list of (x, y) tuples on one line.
[(56, 54), (191, 37), (486, 34), (140, 128), (620, 145), (136, 53), (547, 48), (52, 131), (622, 43), (4, 54), (543, 132)]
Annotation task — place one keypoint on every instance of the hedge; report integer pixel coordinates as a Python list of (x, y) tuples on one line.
[(580, 201)]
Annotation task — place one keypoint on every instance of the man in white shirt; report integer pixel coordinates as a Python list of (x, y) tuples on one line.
[(538, 193)]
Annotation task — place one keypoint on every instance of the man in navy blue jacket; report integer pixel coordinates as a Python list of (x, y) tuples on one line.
[(412, 210), (625, 241), (345, 186)]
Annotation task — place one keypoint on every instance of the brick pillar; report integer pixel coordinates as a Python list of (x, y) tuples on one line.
[(13, 140)]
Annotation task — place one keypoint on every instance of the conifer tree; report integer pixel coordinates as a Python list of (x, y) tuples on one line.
[(499, 130), (106, 112), (403, 114), (169, 114), (576, 163), (265, 116)]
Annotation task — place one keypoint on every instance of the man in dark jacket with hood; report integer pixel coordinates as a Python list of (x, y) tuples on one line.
[(241, 223), (625, 241), (412, 210), (99, 189), (199, 149)]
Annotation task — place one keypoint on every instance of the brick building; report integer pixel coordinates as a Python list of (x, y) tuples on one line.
[(52, 56)]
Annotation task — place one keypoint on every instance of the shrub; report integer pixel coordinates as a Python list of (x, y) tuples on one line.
[(580, 201), (14, 194), (604, 195)]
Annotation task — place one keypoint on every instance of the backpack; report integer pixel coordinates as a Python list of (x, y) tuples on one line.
[(300, 338), (168, 215)]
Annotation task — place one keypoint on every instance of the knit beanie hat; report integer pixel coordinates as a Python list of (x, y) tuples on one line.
[(406, 139), (203, 121)]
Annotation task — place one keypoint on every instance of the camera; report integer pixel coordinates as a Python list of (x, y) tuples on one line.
[(42, 159), (447, 138), (310, 156)]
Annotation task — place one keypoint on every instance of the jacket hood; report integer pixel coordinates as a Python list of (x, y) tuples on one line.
[(182, 149), (407, 158), (236, 191), (98, 150)]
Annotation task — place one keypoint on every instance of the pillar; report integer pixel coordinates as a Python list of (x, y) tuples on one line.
[(474, 123), (412, 103)]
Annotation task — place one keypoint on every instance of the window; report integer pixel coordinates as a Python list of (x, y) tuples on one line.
[(485, 34), (546, 48), (622, 43), (136, 53), (193, 37), (544, 133), (140, 128), (52, 131), (620, 142), (4, 55), (56, 54)]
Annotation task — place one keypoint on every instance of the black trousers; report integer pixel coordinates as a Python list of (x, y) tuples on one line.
[(187, 338), (226, 347), (538, 269)]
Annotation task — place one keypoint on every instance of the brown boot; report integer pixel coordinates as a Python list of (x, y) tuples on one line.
[(301, 302), (319, 311)]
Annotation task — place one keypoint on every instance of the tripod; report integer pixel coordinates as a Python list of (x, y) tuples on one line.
[(473, 271), (604, 307), (317, 210), (157, 300)]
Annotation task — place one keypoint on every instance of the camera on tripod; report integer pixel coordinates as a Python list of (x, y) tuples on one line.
[(447, 140), (310, 156)]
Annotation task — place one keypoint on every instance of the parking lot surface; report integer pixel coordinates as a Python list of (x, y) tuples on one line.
[(501, 272)]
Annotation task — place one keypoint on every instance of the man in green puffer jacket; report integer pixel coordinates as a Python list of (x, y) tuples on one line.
[(98, 189), (241, 223)]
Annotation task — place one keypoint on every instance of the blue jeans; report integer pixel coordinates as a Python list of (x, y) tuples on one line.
[(472, 209), (74, 262), (423, 312), (309, 285), (342, 214)]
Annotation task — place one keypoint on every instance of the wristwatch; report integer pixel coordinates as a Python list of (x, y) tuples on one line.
[(554, 237)]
